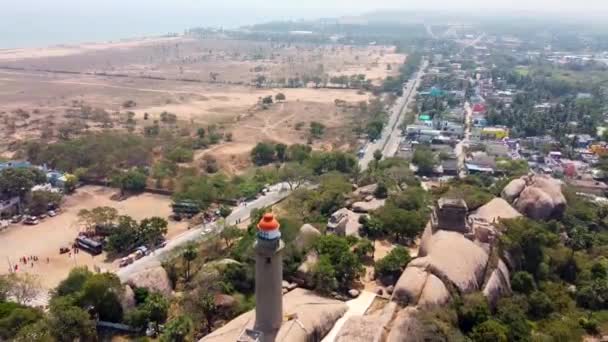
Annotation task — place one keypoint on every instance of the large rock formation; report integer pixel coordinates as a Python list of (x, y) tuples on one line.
[(406, 327), (312, 317), (446, 259), (369, 206), (498, 285), (538, 197), (368, 328), (306, 237), (155, 279), (450, 262)]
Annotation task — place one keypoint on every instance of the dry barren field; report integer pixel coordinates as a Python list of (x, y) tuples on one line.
[(233, 61), (36, 104)]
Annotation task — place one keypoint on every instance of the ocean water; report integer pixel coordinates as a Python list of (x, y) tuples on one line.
[(33, 27)]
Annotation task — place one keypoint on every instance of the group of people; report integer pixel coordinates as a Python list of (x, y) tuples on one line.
[(28, 260)]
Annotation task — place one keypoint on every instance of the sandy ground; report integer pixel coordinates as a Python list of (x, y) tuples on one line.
[(36, 104), (67, 50), (45, 239)]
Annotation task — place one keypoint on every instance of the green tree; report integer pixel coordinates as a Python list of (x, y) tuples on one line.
[(472, 311), (281, 150), (125, 237), (67, 323), (324, 276), (132, 180), (490, 331), (400, 223), (229, 234), (263, 153), (102, 293), (152, 230), (424, 159), (511, 313), (16, 320), (19, 181), (73, 283), (38, 331), (392, 265), (347, 265), (178, 330), (373, 229), (523, 282), (39, 201), (157, 307), (363, 248), (377, 157), (295, 175), (381, 191), (97, 217), (180, 155), (201, 133), (317, 129), (540, 305), (280, 97), (189, 254), (298, 153), (205, 304)]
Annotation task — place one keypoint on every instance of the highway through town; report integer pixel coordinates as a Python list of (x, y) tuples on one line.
[(388, 142), (459, 150)]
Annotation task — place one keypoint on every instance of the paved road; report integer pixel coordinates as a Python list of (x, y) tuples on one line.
[(277, 193), (394, 138), (391, 131), (459, 149)]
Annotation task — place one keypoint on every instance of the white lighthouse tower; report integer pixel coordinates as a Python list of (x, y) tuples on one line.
[(268, 278)]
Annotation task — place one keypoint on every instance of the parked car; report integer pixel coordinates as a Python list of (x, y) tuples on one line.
[(125, 261), (31, 220), (143, 249), (52, 213), (16, 219)]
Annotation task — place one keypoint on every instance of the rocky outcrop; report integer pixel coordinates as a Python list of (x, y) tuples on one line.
[(366, 207), (406, 326), (368, 328), (128, 299), (513, 189), (451, 256), (155, 279), (366, 190), (447, 261), (541, 198), (410, 285), (224, 302), (304, 272), (306, 237), (434, 292), (313, 317), (498, 285)]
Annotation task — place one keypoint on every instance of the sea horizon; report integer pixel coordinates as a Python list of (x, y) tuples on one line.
[(39, 30)]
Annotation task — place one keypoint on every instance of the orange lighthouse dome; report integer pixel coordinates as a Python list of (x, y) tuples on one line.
[(268, 228), (268, 222)]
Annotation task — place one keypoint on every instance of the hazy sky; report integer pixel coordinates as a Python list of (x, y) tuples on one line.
[(45, 22), (334, 6)]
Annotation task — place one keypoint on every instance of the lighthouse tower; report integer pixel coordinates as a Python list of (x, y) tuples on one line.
[(268, 278)]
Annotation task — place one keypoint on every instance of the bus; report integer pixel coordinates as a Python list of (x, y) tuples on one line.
[(89, 245)]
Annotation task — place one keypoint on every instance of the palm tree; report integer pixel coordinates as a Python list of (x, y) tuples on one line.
[(189, 254)]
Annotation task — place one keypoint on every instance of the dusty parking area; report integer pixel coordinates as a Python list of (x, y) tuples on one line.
[(45, 239)]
